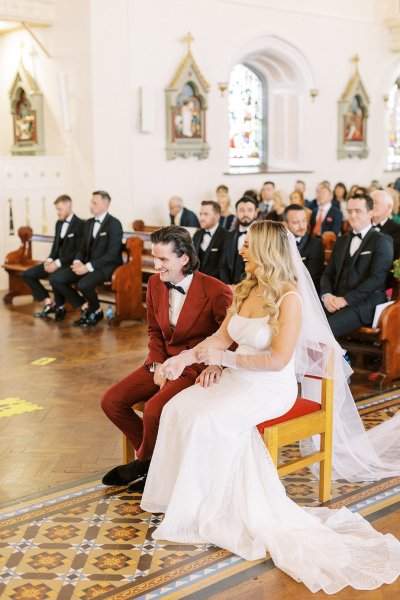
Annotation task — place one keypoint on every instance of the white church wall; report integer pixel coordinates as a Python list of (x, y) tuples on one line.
[(144, 41)]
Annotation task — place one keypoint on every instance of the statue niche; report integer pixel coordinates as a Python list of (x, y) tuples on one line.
[(27, 112)]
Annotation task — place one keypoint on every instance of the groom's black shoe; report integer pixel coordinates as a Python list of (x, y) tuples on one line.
[(137, 487), (126, 473)]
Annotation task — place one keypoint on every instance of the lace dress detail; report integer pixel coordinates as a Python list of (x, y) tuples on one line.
[(213, 477)]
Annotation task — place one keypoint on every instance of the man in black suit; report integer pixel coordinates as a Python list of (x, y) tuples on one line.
[(179, 215), (94, 263), (353, 283), (67, 239), (382, 218), (232, 265), (209, 240), (311, 248), (325, 216)]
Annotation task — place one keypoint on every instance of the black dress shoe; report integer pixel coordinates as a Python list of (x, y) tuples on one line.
[(45, 312), (137, 487), (84, 315), (92, 319), (60, 313), (124, 474)]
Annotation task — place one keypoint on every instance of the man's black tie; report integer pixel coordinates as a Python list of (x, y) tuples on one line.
[(356, 235), (377, 227), (178, 288), (207, 233), (97, 221), (241, 233)]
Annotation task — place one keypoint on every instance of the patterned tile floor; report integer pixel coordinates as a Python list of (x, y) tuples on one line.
[(89, 542)]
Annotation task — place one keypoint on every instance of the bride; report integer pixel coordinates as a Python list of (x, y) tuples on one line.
[(212, 475)]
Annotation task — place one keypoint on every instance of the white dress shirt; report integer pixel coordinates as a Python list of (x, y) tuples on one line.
[(241, 237), (176, 299), (356, 242), (207, 238)]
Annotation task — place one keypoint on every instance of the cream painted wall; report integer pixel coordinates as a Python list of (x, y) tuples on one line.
[(144, 39), (109, 49)]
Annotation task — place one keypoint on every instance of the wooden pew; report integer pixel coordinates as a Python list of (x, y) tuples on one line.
[(124, 290), (381, 342)]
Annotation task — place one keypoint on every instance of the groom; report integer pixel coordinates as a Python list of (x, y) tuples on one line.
[(183, 308)]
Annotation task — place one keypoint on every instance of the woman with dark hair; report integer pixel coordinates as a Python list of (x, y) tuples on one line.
[(340, 194)]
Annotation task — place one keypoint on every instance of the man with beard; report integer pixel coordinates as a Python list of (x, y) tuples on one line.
[(232, 266)]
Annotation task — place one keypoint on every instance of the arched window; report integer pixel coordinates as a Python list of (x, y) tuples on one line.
[(246, 147), (393, 156)]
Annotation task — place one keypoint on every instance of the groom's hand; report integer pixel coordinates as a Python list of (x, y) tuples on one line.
[(209, 376)]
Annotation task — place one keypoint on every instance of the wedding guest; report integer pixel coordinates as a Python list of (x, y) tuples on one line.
[(311, 248), (232, 265), (179, 215), (325, 216), (354, 280), (266, 201), (67, 239), (278, 206), (382, 218), (340, 195), (227, 217), (296, 197), (209, 240), (100, 253)]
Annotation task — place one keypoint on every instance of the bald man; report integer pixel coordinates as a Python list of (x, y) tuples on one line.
[(180, 215)]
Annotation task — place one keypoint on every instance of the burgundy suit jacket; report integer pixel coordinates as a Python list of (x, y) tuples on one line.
[(202, 313)]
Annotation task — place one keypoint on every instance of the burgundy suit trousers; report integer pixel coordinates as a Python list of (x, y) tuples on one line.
[(139, 386)]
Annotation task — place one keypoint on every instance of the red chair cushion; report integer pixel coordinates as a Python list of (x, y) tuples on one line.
[(300, 408)]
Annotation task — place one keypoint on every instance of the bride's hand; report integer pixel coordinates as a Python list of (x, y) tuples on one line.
[(209, 376), (173, 367), (209, 356)]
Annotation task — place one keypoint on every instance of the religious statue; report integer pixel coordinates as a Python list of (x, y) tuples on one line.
[(24, 119)]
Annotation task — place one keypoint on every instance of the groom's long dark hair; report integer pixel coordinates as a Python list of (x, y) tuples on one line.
[(181, 242)]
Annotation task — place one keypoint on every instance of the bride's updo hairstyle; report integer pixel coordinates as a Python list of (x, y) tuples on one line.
[(269, 248)]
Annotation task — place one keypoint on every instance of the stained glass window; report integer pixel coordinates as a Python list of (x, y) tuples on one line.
[(393, 105), (245, 118)]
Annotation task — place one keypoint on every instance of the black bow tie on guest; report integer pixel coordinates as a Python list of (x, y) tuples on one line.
[(377, 227), (241, 233), (97, 221), (178, 288), (356, 235), (207, 233)]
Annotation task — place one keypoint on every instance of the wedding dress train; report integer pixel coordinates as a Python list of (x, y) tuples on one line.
[(213, 478)]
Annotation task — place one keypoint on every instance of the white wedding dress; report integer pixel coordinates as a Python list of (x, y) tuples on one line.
[(213, 477)]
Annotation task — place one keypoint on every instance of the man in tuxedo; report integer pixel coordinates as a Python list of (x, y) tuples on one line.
[(179, 215), (353, 283), (232, 265), (382, 218), (311, 248), (209, 240), (266, 203), (67, 239), (183, 308), (94, 263), (325, 217)]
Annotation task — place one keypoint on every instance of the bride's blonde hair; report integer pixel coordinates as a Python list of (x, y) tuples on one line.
[(269, 248)]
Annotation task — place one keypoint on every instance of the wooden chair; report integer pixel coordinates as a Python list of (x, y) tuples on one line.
[(305, 419)]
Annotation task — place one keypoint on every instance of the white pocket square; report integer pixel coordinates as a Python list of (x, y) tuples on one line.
[(214, 249), (103, 233), (70, 235), (365, 252), (304, 258)]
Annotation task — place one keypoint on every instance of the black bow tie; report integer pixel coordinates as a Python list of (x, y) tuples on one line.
[(377, 227), (353, 235), (298, 240), (241, 233), (207, 233), (178, 288), (97, 221)]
